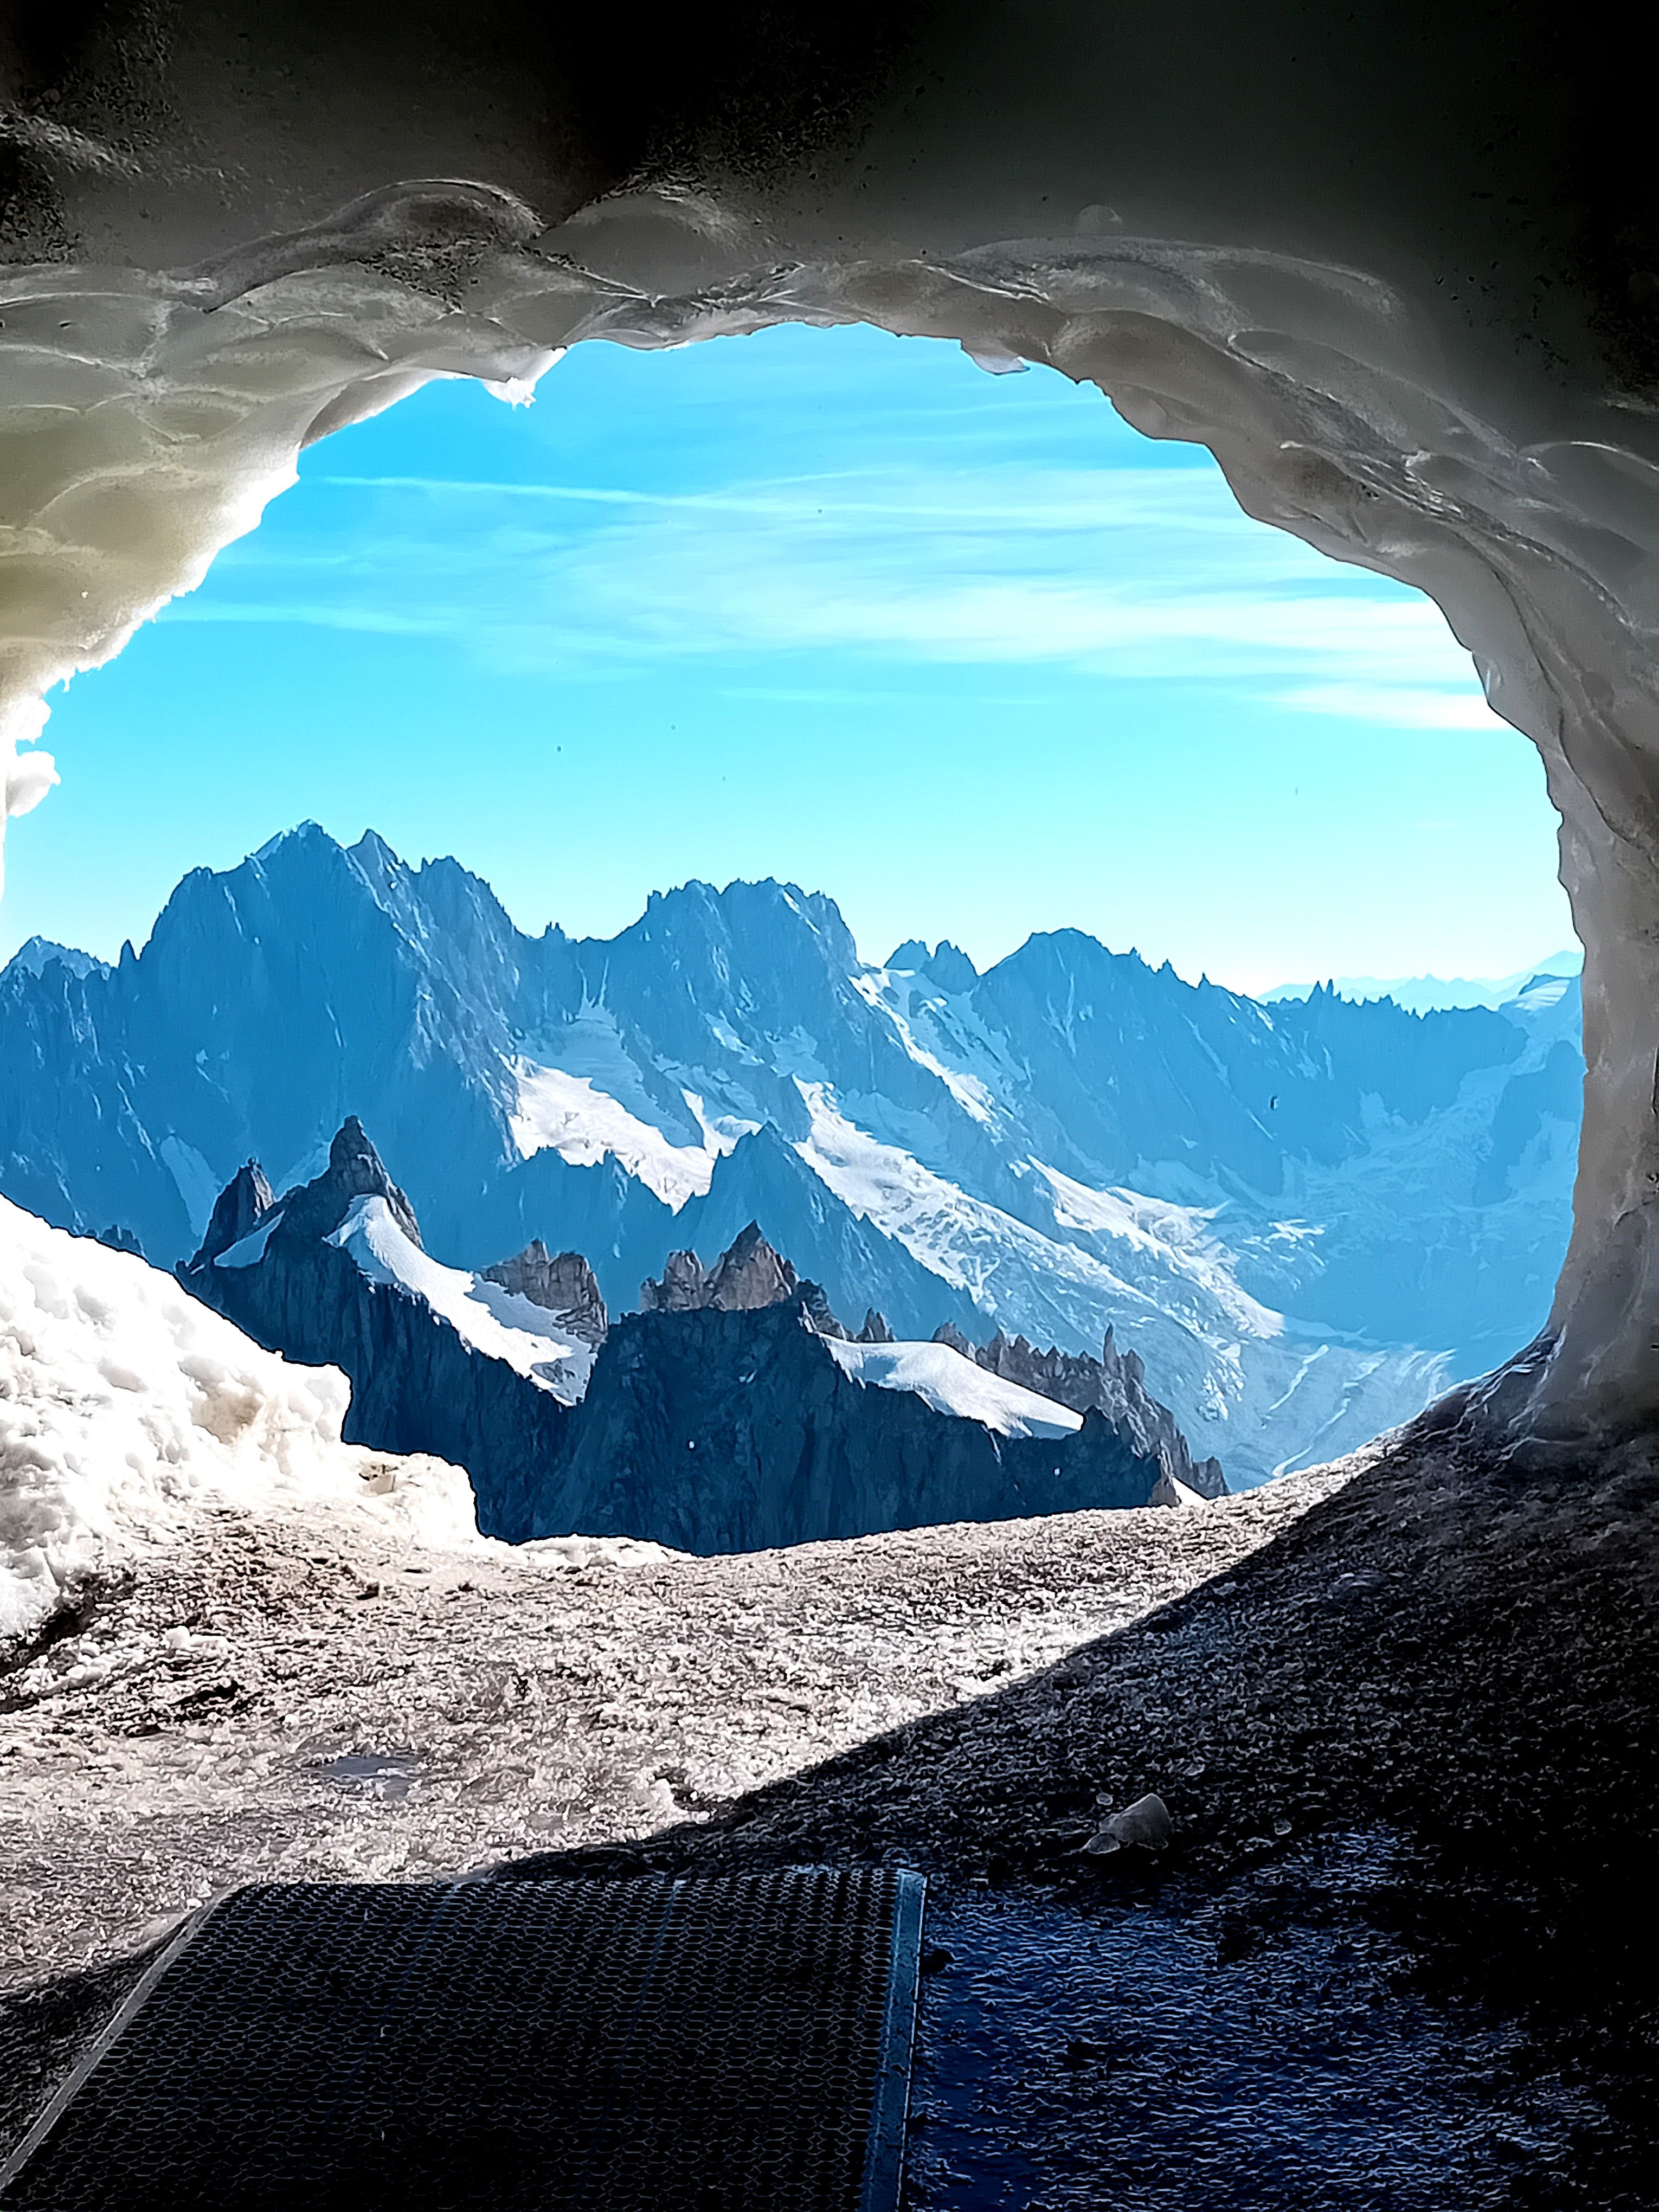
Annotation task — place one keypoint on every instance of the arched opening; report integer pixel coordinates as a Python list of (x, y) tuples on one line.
[(825, 611), (1414, 325), (1331, 428)]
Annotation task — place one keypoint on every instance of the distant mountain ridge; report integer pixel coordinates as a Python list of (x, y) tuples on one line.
[(1306, 1218), (1429, 994), (739, 1416)]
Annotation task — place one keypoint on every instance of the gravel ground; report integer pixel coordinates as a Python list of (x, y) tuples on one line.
[(1402, 1713), (279, 1701)]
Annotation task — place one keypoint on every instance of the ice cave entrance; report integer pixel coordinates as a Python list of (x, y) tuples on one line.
[(839, 609)]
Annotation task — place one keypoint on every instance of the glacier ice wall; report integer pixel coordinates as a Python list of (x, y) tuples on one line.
[(1400, 274)]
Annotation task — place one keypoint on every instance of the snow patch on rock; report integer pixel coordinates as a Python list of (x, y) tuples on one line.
[(571, 1115), (943, 1379), (492, 1319)]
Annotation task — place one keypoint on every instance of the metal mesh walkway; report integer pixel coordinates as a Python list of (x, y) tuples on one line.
[(722, 2045)]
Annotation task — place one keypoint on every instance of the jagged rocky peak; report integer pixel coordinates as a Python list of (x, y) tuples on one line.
[(875, 1330), (748, 1274), (561, 1281), (678, 1289), (355, 1170), (314, 1209), (1129, 1366), (236, 1211), (1114, 1385), (947, 964)]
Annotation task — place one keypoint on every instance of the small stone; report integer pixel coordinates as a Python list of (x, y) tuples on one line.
[(1146, 1824)]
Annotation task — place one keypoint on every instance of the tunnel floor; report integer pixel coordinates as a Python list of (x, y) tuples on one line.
[(1275, 2047), (1399, 1951)]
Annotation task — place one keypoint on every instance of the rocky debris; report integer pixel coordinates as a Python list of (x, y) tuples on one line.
[(538, 1694), (563, 1282), (748, 1275), (1445, 1653), (875, 1329), (1438, 1672), (237, 1212)]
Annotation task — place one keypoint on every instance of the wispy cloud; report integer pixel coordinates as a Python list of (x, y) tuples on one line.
[(1404, 705), (1132, 573)]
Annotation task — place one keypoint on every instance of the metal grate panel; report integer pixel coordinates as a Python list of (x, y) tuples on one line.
[(731, 2044)]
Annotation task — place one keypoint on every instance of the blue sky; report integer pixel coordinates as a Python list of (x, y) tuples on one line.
[(963, 651)]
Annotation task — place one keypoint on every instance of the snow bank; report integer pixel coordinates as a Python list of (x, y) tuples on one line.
[(128, 1409), (951, 1385)]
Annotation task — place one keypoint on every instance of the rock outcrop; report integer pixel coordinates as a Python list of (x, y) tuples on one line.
[(748, 1274), (561, 1281), (237, 1212), (417, 1384), (1115, 1385), (730, 1430)]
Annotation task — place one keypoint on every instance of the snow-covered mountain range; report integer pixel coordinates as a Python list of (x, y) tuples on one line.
[(1306, 1218), (734, 1414), (1430, 994)]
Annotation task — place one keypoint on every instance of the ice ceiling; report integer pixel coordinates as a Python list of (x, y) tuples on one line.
[(1397, 264)]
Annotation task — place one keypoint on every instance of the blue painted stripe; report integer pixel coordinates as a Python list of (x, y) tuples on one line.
[(883, 2156)]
